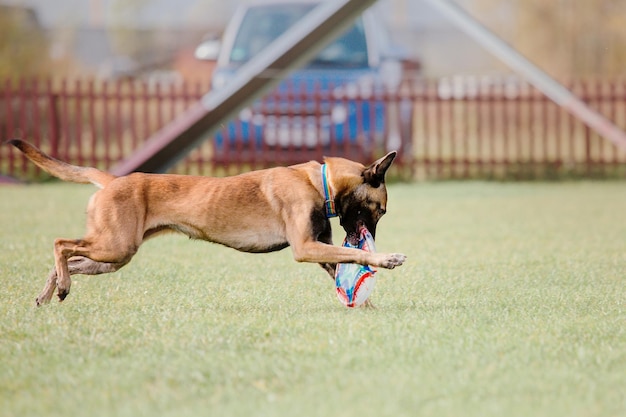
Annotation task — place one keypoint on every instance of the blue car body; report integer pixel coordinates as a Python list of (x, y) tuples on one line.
[(337, 100)]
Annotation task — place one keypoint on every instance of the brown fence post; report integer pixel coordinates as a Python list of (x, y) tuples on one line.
[(8, 108), (587, 129), (91, 117), (53, 115)]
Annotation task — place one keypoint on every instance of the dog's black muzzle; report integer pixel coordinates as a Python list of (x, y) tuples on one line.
[(352, 223)]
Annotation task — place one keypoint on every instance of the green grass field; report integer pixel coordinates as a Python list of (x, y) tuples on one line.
[(512, 303)]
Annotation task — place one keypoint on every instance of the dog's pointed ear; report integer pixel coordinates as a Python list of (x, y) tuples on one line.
[(374, 174)]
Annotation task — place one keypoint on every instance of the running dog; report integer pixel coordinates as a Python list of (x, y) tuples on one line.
[(259, 211)]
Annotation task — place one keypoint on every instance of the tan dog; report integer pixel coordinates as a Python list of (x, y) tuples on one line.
[(259, 211)]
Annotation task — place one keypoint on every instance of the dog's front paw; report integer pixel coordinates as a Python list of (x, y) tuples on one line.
[(393, 259)]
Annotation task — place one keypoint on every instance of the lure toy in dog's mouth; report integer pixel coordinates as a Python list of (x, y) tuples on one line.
[(354, 282)]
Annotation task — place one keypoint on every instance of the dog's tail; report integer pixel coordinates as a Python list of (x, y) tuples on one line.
[(62, 170)]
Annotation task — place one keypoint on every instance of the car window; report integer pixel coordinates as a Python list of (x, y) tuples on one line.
[(262, 25), (348, 50)]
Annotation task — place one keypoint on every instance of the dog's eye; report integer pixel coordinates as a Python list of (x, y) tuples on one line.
[(382, 211)]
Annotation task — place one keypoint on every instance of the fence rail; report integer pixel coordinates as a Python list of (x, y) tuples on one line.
[(448, 128)]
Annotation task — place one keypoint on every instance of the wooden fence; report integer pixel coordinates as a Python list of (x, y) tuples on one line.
[(456, 128), (504, 128)]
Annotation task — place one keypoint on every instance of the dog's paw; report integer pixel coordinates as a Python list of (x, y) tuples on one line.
[(62, 293), (63, 288), (393, 259), (39, 301), (45, 296)]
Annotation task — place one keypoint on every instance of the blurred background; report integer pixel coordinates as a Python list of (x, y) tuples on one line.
[(91, 80), (156, 38)]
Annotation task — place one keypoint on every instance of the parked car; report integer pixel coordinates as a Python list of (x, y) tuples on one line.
[(337, 97)]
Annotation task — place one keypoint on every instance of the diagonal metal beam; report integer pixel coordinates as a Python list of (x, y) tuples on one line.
[(300, 43), (535, 75)]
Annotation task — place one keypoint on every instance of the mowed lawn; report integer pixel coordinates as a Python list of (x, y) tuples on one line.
[(512, 303)]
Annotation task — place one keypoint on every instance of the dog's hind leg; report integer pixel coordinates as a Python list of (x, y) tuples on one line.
[(77, 265), (46, 294), (102, 251)]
